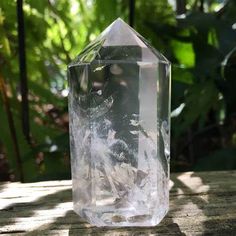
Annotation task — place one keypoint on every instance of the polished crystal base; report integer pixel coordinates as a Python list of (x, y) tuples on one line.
[(119, 131), (126, 217)]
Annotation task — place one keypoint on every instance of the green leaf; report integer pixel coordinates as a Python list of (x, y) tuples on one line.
[(182, 74), (200, 99), (219, 160), (54, 167), (184, 53)]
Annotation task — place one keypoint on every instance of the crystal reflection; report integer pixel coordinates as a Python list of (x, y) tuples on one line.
[(119, 130)]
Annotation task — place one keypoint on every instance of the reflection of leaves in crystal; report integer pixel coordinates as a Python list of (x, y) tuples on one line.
[(166, 138), (95, 111), (134, 122), (141, 175), (126, 176), (119, 150), (138, 127), (113, 162), (101, 109), (99, 68), (91, 51)]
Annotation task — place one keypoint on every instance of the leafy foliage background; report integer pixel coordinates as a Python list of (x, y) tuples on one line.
[(200, 44)]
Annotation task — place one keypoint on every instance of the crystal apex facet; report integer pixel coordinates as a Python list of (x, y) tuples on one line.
[(119, 34)]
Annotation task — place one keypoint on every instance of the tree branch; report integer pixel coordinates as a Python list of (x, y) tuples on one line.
[(11, 127)]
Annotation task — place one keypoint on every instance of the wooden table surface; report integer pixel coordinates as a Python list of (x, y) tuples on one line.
[(201, 203)]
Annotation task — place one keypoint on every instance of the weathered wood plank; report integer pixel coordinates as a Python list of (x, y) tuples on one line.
[(200, 203)]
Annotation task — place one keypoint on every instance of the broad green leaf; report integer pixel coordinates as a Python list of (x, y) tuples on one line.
[(182, 74), (200, 99), (184, 53)]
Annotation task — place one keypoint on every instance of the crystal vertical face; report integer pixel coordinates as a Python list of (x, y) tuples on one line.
[(119, 105)]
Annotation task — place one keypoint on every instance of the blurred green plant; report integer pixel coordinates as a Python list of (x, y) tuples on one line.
[(55, 32), (199, 42)]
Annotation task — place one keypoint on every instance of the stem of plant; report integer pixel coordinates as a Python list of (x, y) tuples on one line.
[(131, 12), (11, 128), (23, 71)]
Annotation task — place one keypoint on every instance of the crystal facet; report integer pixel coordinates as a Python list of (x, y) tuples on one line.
[(119, 105)]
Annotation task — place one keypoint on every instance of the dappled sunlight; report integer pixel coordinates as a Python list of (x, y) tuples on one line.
[(190, 214), (189, 201), (171, 184), (26, 193), (41, 218), (194, 183), (45, 208), (41, 202), (58, 210)]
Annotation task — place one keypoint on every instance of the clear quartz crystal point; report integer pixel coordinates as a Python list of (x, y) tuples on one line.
[(119, 108)]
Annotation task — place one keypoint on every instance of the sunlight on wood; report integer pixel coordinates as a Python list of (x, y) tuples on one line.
[(171, 184), (194, 183), (200, 203)]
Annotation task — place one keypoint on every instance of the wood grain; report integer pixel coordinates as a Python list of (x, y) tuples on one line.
[(201, 203)]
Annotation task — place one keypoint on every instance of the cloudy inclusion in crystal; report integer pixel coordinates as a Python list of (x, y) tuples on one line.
[(119, 106)]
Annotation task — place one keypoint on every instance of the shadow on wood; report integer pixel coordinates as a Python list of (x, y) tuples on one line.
[(200, 203)]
